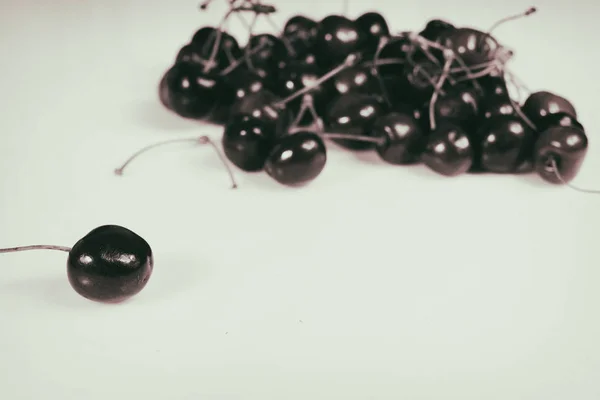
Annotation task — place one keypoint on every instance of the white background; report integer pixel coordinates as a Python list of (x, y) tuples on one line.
[(375, 282)]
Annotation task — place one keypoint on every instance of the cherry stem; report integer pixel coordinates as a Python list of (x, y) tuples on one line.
[(348, 136), (35, 247), (438, 87), (527, 13), (242, 60), (350, 60), (554, 167), (308, 105), (383, 41), (198, 140), (248, 49)]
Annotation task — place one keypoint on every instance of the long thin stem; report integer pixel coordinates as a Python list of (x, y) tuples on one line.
[(528, 12), (242, 59), (436, 92), (554, 166), (198, 140), (347, 136), (350, 60), (383, 41), (35, 247)]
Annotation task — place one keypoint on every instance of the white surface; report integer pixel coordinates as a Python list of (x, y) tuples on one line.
[(375, 282)]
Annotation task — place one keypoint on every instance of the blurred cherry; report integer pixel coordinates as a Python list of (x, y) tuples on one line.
[(374, 27), (262, 105), (405, 138), (227, 50), (435, 28), (272, 56), (564, 147), (448, 151), (337, 37), (541, 104), (247, 142), (301, 32)]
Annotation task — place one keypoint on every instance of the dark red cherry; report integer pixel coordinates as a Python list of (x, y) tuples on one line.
[(261, 105), (567, 146), (472, 46), (421, 76), (354, 114), (228, 49), (190, 53), (541, 104), (297, 76), (301, 33), (296, 159), (110, 264), (189, 91), (247, 142), (506, 145), (405, 138), (396, 49), (435, 28), (494, 106), (448, 151), (236, 86), (357, 79), (558, 119), (374, 27), (272, 56), (337, 37), (460, 104), (493, 85)]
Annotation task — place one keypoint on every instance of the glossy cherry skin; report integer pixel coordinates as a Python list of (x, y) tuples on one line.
[(188, 91), (297, 159), (237, 86), (272, 56), (541, 104), (337, 37), (354, 114), (355, 79), (110, 264), (374, 27), (297, 76), (405, 138), (228, 49), (448, 151), (494, 106), (261, 105), (567, 146), (493, 86), (558, 119), (247, 142), (301, 33), (435, 28), (506, 145), (473, 46)]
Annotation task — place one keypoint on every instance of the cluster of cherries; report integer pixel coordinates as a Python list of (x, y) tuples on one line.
[(440, 96)]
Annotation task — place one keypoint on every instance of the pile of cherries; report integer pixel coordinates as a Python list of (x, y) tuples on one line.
[(440, 96)]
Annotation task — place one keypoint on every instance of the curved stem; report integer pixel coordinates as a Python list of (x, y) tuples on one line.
[(383, 41), (564, 182), (198, 140), (436, 92), (527, 13), (242, 60), (35, 247), (350, 60)]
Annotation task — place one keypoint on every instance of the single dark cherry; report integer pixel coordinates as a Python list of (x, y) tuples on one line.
[(336, 38), (506, 145), (297, 76), (567, 146), (247, 142), (357, 79), (474, 47), (354, 114), (237, 85), (374, 27), (261, 105), (541, 104), (190, 53), (272, 56), (405, 138), (297, 159), (494, 106), (189, 91), (110, 264), (558, 119), (227, 51), (301, 32), (460, 105), (435, 28), (448, 151)]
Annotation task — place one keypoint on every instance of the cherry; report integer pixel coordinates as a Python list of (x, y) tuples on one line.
[(396, 48), (493, 85), (227, 49), (272, 56), (110, 264), (262, 105), (558, 119), (473, 46), (494, 106), (448, 151), (301, 33), (435, 28), (422, 76), (541, 104), (559, 153), (190, 53), (374, 27), (354, 114), (336, 38), (460, 104), (506, 145), (297, 159), (248, 141), (404, 138), (189, 91), (357, 79)]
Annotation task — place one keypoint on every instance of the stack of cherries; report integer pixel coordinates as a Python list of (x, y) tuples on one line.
[(440, 96)]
